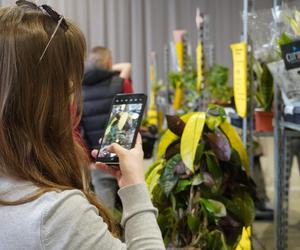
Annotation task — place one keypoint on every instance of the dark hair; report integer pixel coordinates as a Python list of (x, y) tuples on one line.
[(36, 138)]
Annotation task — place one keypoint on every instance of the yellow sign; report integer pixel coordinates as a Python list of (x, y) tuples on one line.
[(239, 54), (179, 51), (199, 65)]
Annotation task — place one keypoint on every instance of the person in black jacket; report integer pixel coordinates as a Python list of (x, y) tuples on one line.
[(102, 81)]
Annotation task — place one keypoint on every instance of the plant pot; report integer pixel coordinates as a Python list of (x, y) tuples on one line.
[(263, 121), (148, 145)]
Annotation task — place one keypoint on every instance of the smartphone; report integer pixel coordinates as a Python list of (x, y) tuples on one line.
[(122, 126)]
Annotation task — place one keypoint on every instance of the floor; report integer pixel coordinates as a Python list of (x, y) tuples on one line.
[(264, 231)]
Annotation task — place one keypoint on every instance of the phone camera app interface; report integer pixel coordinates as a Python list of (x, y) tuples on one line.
[(121, 127)]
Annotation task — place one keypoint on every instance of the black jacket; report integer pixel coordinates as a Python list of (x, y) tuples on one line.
[(99, 87)]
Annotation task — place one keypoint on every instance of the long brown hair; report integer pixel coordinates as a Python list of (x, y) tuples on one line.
[(36, 142)]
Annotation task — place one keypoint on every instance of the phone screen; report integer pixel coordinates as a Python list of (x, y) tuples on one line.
[(124, 120)]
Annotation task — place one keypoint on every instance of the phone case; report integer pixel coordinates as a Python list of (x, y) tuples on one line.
[(118, 121)]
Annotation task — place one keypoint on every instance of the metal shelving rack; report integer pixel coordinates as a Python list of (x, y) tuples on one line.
[(282, 161), (282, 134)]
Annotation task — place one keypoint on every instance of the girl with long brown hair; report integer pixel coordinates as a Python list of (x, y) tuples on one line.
[(45, 199)]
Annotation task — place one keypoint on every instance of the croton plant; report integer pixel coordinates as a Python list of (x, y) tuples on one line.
[(200, 182)]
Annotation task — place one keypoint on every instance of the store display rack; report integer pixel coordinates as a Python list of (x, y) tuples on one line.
[(283, 132)]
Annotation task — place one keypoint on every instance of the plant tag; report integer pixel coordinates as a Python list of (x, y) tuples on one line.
[(239, 54), (291, 55), (288, 81)]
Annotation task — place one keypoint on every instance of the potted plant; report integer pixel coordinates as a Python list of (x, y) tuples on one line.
[(217, 80), (186, 82), (200, 183), (264, 96)]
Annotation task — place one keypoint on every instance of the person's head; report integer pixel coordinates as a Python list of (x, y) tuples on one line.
[(100, 57), (38, 85)]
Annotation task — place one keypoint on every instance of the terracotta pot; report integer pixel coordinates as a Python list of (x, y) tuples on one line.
[(263, 121)]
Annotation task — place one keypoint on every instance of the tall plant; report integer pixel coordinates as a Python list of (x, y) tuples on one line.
[(187, 81), (200, 184)]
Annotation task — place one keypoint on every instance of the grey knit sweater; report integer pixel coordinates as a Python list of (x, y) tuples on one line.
[(66, 220)]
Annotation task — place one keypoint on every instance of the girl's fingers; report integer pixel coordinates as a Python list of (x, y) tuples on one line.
[(110, 170), (94, 153), (139, 141)]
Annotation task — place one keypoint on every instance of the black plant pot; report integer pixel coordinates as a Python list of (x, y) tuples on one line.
[(148, 145)]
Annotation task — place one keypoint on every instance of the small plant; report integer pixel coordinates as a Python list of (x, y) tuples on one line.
[(264, 88), (186, 80), (204, 195), (217, 80)]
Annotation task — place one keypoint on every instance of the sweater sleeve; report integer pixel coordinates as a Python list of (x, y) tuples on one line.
[(139, 219), (71, 222)]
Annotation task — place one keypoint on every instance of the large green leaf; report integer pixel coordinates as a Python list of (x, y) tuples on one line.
[(168, 137), (216, 208), (190, 139), (236, 143), (242, 206), (168, 179)]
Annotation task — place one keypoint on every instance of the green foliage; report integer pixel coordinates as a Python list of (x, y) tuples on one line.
[(208, 207), (186, 80), (265, 88), (284, 39), (217, 80)]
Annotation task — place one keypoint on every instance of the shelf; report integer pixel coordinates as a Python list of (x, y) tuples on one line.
[(290, 125), (263, 134)]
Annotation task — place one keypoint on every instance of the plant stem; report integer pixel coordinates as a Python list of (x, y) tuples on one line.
[(191, 200)]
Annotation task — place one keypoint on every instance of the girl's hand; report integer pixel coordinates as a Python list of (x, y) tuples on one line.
[(131, 163)]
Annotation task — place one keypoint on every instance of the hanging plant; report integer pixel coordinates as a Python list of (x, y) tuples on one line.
[(201, 182)]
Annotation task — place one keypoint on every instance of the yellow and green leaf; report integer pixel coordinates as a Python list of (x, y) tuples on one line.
[(168, 137), (236, 143), (190, 139)]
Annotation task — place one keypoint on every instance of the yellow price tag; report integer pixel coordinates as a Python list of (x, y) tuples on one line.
[(239, 54), (179, 52), (199, 65)]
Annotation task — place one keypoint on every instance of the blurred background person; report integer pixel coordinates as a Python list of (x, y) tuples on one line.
[(102, 81)]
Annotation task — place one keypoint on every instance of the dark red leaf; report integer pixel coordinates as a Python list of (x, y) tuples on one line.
[(175, 124), (180, 168), (173, 149), (219, 145), (208, 180)]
